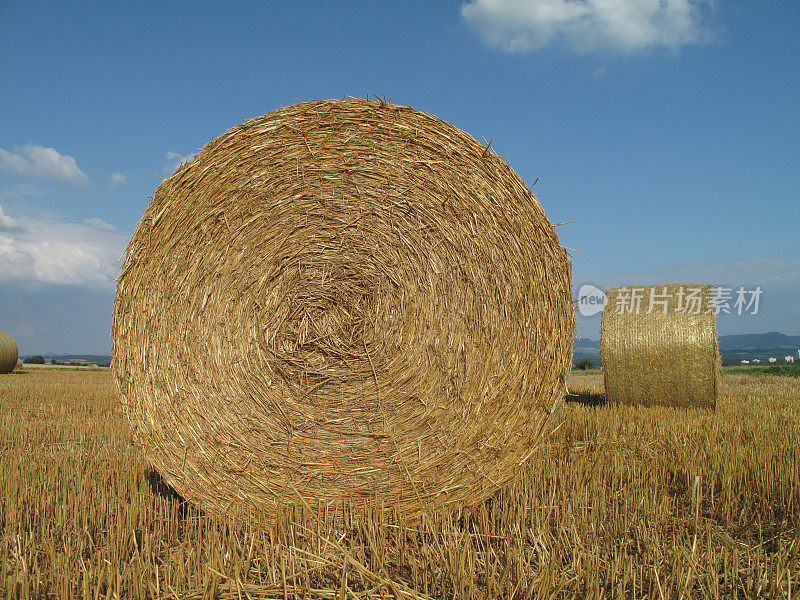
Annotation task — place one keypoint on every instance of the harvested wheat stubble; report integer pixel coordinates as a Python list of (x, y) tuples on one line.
[(664, 353), (342, 300), (8, 353)]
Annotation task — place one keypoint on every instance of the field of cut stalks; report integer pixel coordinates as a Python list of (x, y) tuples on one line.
[(616, 503)]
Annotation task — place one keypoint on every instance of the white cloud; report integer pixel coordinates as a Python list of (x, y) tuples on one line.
[(777, 276), (516, 26), (21, 190), (49, 250), (7, 223), (117, 179), (98, 224), (769, 272), (175, 160), (39, 161)]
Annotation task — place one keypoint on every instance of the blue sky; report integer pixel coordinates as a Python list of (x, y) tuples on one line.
[(668, 132)]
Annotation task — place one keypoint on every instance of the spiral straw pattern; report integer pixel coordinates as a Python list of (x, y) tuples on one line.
[(342, 301)]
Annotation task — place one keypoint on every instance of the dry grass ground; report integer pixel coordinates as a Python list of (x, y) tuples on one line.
[(618, 502)]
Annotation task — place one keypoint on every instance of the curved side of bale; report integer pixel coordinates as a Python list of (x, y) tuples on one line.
[(658, 344), (342, 300), (8, 353)]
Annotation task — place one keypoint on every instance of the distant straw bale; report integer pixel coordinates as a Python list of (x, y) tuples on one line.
[(342, 300), (8, 353), (658, 344)]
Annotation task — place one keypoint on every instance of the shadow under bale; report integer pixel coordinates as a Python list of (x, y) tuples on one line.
[(593, 399), (159, 486)]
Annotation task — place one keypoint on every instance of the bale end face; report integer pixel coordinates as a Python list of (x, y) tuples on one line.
[(342, 300)]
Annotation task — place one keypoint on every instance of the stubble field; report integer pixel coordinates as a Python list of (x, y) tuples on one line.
[(617, 502)]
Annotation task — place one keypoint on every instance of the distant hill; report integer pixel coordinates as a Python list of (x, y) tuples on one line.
[(587, 343), (92, 359), (773, 339), (761, 346)]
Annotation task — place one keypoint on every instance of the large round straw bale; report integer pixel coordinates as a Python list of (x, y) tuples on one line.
[(8, 353), (342, 300), (658, 344)]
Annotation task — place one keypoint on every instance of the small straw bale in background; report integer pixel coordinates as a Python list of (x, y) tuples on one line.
[(342, 300), (658, 345), (8, 353)]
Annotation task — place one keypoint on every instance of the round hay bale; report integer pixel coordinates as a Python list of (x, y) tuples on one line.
[(8, 353), (342, 301), (658, 344)]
